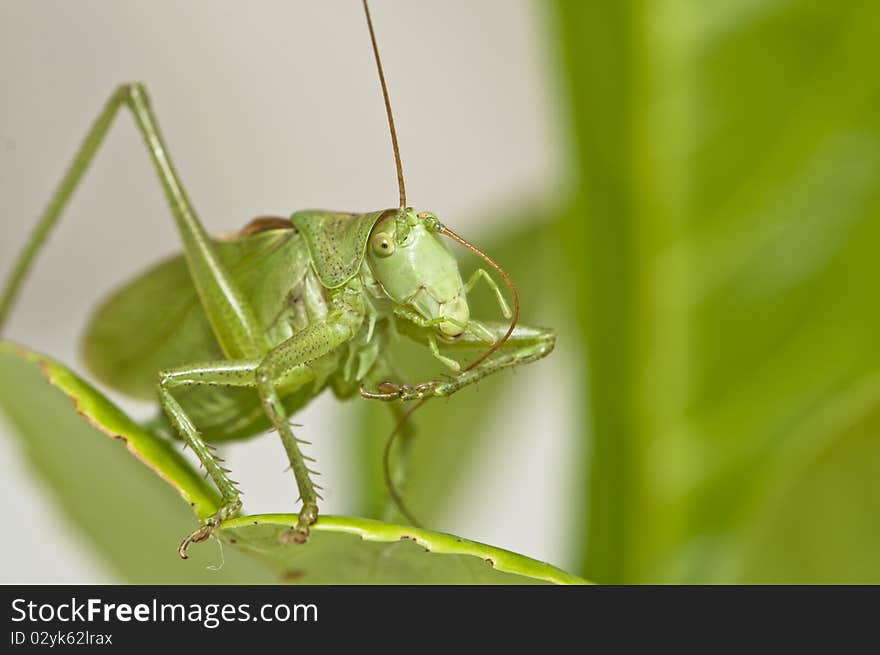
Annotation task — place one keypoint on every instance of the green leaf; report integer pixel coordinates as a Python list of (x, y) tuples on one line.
[(135, 520), (723, 246), (348, 550), (123, 508)]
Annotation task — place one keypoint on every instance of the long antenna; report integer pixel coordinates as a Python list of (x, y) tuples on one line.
[(400, 184)]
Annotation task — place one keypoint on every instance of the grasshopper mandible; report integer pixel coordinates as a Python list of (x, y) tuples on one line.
[(265, 320)]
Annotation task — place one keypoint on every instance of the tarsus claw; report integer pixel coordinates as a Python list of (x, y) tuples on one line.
[(299, 534), (196, 537), (204, 531)]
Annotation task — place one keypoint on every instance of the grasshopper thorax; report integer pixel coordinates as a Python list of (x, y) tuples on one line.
[(416, 269)]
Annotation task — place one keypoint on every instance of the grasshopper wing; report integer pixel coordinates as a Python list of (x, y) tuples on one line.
[(156, 321)]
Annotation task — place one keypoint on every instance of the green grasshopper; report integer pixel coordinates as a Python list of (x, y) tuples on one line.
[(238, 333)]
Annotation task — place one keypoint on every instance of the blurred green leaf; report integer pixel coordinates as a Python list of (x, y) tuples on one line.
[(821, 498), (134, 519), (724, 229)]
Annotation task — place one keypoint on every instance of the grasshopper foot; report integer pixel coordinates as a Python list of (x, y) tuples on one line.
[(197, 536), (207, 528), (299, 533)]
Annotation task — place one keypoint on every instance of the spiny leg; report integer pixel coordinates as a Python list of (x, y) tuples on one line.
[(225, 373), (308, 493), (285, 367), (526, 344), (297, 353), (232, 319), (232, 373)]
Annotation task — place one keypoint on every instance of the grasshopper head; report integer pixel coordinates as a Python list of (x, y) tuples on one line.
[(415, 268)]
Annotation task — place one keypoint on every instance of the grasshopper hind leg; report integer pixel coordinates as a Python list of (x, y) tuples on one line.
[(233, 321)]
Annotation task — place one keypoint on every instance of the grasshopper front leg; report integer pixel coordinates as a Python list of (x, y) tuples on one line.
[(526, 344), (242, 373), (285, 368), (346, 315), (230, 373)]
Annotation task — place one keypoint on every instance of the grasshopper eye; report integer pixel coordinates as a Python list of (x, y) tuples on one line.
[(382, 244)]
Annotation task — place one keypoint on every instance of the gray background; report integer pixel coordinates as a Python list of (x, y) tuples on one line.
[(270, 107)]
